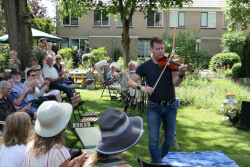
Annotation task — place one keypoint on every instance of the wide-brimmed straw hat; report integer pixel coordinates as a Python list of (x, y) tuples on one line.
[(52, 118), (119, 132)]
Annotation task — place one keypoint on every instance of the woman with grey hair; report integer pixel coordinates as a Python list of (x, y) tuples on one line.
[(113, 78)]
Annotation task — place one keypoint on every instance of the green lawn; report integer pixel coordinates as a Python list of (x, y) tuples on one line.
[(197, 130)]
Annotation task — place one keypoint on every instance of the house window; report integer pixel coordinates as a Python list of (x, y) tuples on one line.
[(225, 22), (177, 19), (154, 19), (70, 21), (144, 49), (75, 43), (101, 18), (208, 19), (119, 20)]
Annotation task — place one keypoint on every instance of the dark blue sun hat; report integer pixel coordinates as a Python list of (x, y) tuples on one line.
[(119, 132)]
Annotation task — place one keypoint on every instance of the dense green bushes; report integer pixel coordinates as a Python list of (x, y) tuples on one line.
[(236, 71), (117, 54), (245, 58), (223, 60), (94, 56), (4, 55), (233, 42), (66, 53)]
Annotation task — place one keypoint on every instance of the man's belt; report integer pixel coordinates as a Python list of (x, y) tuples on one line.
[(164, 103)]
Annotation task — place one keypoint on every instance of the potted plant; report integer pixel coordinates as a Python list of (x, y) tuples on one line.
[(233, 112)]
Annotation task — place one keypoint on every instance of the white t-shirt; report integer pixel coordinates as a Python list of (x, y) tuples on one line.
[(101, 63), (13, 156)]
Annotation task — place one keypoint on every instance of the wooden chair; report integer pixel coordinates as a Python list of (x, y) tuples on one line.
[(146, 164)]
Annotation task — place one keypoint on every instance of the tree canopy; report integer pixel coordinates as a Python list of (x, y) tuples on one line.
[(125, 8), (238, 11)]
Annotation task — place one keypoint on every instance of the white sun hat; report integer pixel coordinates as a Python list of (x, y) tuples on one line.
[(52, 118)]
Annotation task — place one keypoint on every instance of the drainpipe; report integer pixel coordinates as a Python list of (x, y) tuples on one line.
[(113, 47), (167, 24)]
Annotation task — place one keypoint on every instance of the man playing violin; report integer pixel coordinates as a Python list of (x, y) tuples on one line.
[(161, 105)]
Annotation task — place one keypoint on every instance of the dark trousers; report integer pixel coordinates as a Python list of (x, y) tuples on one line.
[(63, 87), (37, 102)]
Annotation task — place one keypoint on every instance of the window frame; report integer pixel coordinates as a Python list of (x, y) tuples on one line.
[(178, 19), (70, 38), (119, 19), (207, 20), (100, 20), (224, 19), (155, 19), (70, 21)]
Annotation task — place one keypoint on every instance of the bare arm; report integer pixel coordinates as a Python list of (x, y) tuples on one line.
[(175, 78)]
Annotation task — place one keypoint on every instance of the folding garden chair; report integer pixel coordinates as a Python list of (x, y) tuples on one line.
[(146, 164), (113, 93)]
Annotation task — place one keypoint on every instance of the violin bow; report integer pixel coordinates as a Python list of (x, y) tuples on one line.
[(172, 54)]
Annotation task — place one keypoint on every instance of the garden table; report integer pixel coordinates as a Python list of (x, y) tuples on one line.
[(82, 75)]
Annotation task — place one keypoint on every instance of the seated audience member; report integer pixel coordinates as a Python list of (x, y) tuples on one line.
[(33, 61), (42, 83), (38, 93), (61, 71), (119, 134), (50, 74), (16, 133), (21, 95), (126, 75), (49, 139), (14, 61), (6, 105), (113, 78), (2, 71)]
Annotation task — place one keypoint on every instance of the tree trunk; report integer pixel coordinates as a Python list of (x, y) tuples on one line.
[(126, 48), (20, 35)]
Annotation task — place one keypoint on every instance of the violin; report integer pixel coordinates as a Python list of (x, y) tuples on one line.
[(174, 63)]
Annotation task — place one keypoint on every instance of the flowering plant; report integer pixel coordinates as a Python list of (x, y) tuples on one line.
[(40, 55), (231, 111)]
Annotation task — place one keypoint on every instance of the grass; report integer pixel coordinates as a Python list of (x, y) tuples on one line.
[(198, 128)]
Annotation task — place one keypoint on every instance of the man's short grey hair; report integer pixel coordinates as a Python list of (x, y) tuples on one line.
[(49, 57), (132, 62), (35, 66), (3, 84)]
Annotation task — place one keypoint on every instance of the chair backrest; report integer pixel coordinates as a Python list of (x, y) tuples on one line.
[(106, 70), (89, 136), (245, 114), (146, 164)]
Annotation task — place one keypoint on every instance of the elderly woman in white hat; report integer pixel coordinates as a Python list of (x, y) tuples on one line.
[(119, 133), (45, 147)]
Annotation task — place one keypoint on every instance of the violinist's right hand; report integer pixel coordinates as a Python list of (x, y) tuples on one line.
[(147, 89)]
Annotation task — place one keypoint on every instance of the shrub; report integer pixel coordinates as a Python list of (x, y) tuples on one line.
[(4, 55), (66, 53), (117, 54), (236, 71), (223, 60), (94, 56), (186, 43), (233, 42), (245, 58)]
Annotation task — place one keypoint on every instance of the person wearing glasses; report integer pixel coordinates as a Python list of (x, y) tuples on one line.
[(6, 105), (42, 83), (126, 75), (113, 78), (38, 93)]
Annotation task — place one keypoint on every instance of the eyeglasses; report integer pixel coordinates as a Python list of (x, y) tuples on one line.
[(33, 75), (38, 69), (112, 67), (8, 89), (58, 58)]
